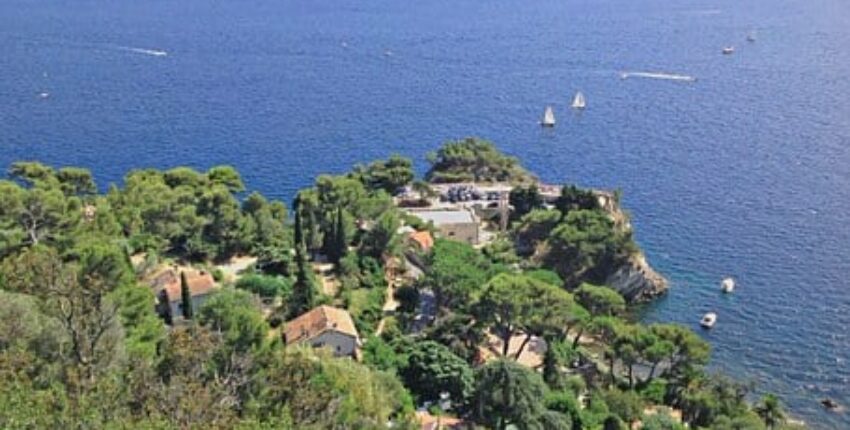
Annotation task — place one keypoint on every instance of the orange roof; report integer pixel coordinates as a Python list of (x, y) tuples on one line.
[(317, 321), (200, 283), (423, 238), (430, 422)]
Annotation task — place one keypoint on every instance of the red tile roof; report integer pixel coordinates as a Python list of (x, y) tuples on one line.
[(317, 321), (200, 283), (423, 238)]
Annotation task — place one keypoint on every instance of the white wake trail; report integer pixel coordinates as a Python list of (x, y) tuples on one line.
[(658, 75)]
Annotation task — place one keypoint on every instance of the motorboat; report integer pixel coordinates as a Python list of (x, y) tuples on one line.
[(708, 320), (729, 50), (727, 285)]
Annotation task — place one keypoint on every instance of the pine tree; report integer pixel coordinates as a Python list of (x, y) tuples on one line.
[(186, 297)]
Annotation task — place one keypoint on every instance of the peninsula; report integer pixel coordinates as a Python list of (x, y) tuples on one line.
[(475, 297)]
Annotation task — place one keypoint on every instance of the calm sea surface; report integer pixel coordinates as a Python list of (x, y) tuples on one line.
[(745, 172)]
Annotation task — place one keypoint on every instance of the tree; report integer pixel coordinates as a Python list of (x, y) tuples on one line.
[(382, 239), (600, 301), (336, 243), (573, 198), (533, 228), (456, 272), (587, 246), (627, 405), (234, 314), (390, 175), (514, 304), (473, 159), (30, 216), (507, 394), (303, 296), (78, 296), (321, 391), (661, 421), (433, 369), (525, 200), (185, 297), (770, 411), (75, 181), (226, 176)]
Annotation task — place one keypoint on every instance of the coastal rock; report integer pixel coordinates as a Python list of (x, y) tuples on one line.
[(636, 281)]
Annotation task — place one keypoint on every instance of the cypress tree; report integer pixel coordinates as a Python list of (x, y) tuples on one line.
[(340, 244), (186, 297), (303, 293), (299, 223)]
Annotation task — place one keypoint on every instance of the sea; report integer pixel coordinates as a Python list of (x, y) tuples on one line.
[(742, 171)]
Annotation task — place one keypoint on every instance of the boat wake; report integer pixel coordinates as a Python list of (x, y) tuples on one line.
[(153, 52), (658, 75)]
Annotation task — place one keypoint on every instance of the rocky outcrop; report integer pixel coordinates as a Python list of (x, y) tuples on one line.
[(637, 281)]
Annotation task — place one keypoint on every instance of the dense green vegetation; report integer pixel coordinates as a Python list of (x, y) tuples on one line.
[(474, 160), (82, 347)]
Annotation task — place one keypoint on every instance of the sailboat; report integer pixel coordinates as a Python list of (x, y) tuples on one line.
[(548, 117), (752, 36), (579, 102)]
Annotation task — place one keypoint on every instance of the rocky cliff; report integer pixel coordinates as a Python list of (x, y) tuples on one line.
[(637, 281)]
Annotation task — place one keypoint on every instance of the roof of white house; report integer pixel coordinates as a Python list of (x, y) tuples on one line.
[(317, 321), (445, 217)]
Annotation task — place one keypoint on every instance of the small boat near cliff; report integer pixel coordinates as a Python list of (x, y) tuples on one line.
[(708, 320), (579, 101), (727, 285), (548, 117)]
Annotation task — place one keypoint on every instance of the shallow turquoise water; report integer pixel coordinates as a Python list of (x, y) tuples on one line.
[(745, 172)]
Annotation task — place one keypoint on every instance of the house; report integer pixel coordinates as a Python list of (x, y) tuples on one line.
[(167, 287), (324, 326), (431, 422), (460, 225), (422, 240)]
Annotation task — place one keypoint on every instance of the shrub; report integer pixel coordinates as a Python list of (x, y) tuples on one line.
[(265, 286)]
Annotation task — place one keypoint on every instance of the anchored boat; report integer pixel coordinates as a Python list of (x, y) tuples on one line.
[(708, 320), (727, 285)]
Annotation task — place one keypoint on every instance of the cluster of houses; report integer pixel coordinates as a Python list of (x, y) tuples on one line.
[(327, 326)]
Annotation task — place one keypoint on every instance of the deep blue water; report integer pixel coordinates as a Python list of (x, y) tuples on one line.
[(745, 172)]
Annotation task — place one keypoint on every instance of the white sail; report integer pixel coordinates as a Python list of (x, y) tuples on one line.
[(548, 117), (579, 102)]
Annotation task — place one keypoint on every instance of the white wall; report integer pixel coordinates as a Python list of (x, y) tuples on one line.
[(340, 343)]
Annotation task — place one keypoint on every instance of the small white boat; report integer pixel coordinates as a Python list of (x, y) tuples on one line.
[(44, 95), (548, 117), (708, 320), (751, 37), (727, 285), (579, 102), (729, 50)]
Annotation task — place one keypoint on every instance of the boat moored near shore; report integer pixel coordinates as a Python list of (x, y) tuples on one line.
[(708, 320)]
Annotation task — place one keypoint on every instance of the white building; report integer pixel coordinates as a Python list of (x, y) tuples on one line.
[(459, 225), (324, 327)]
